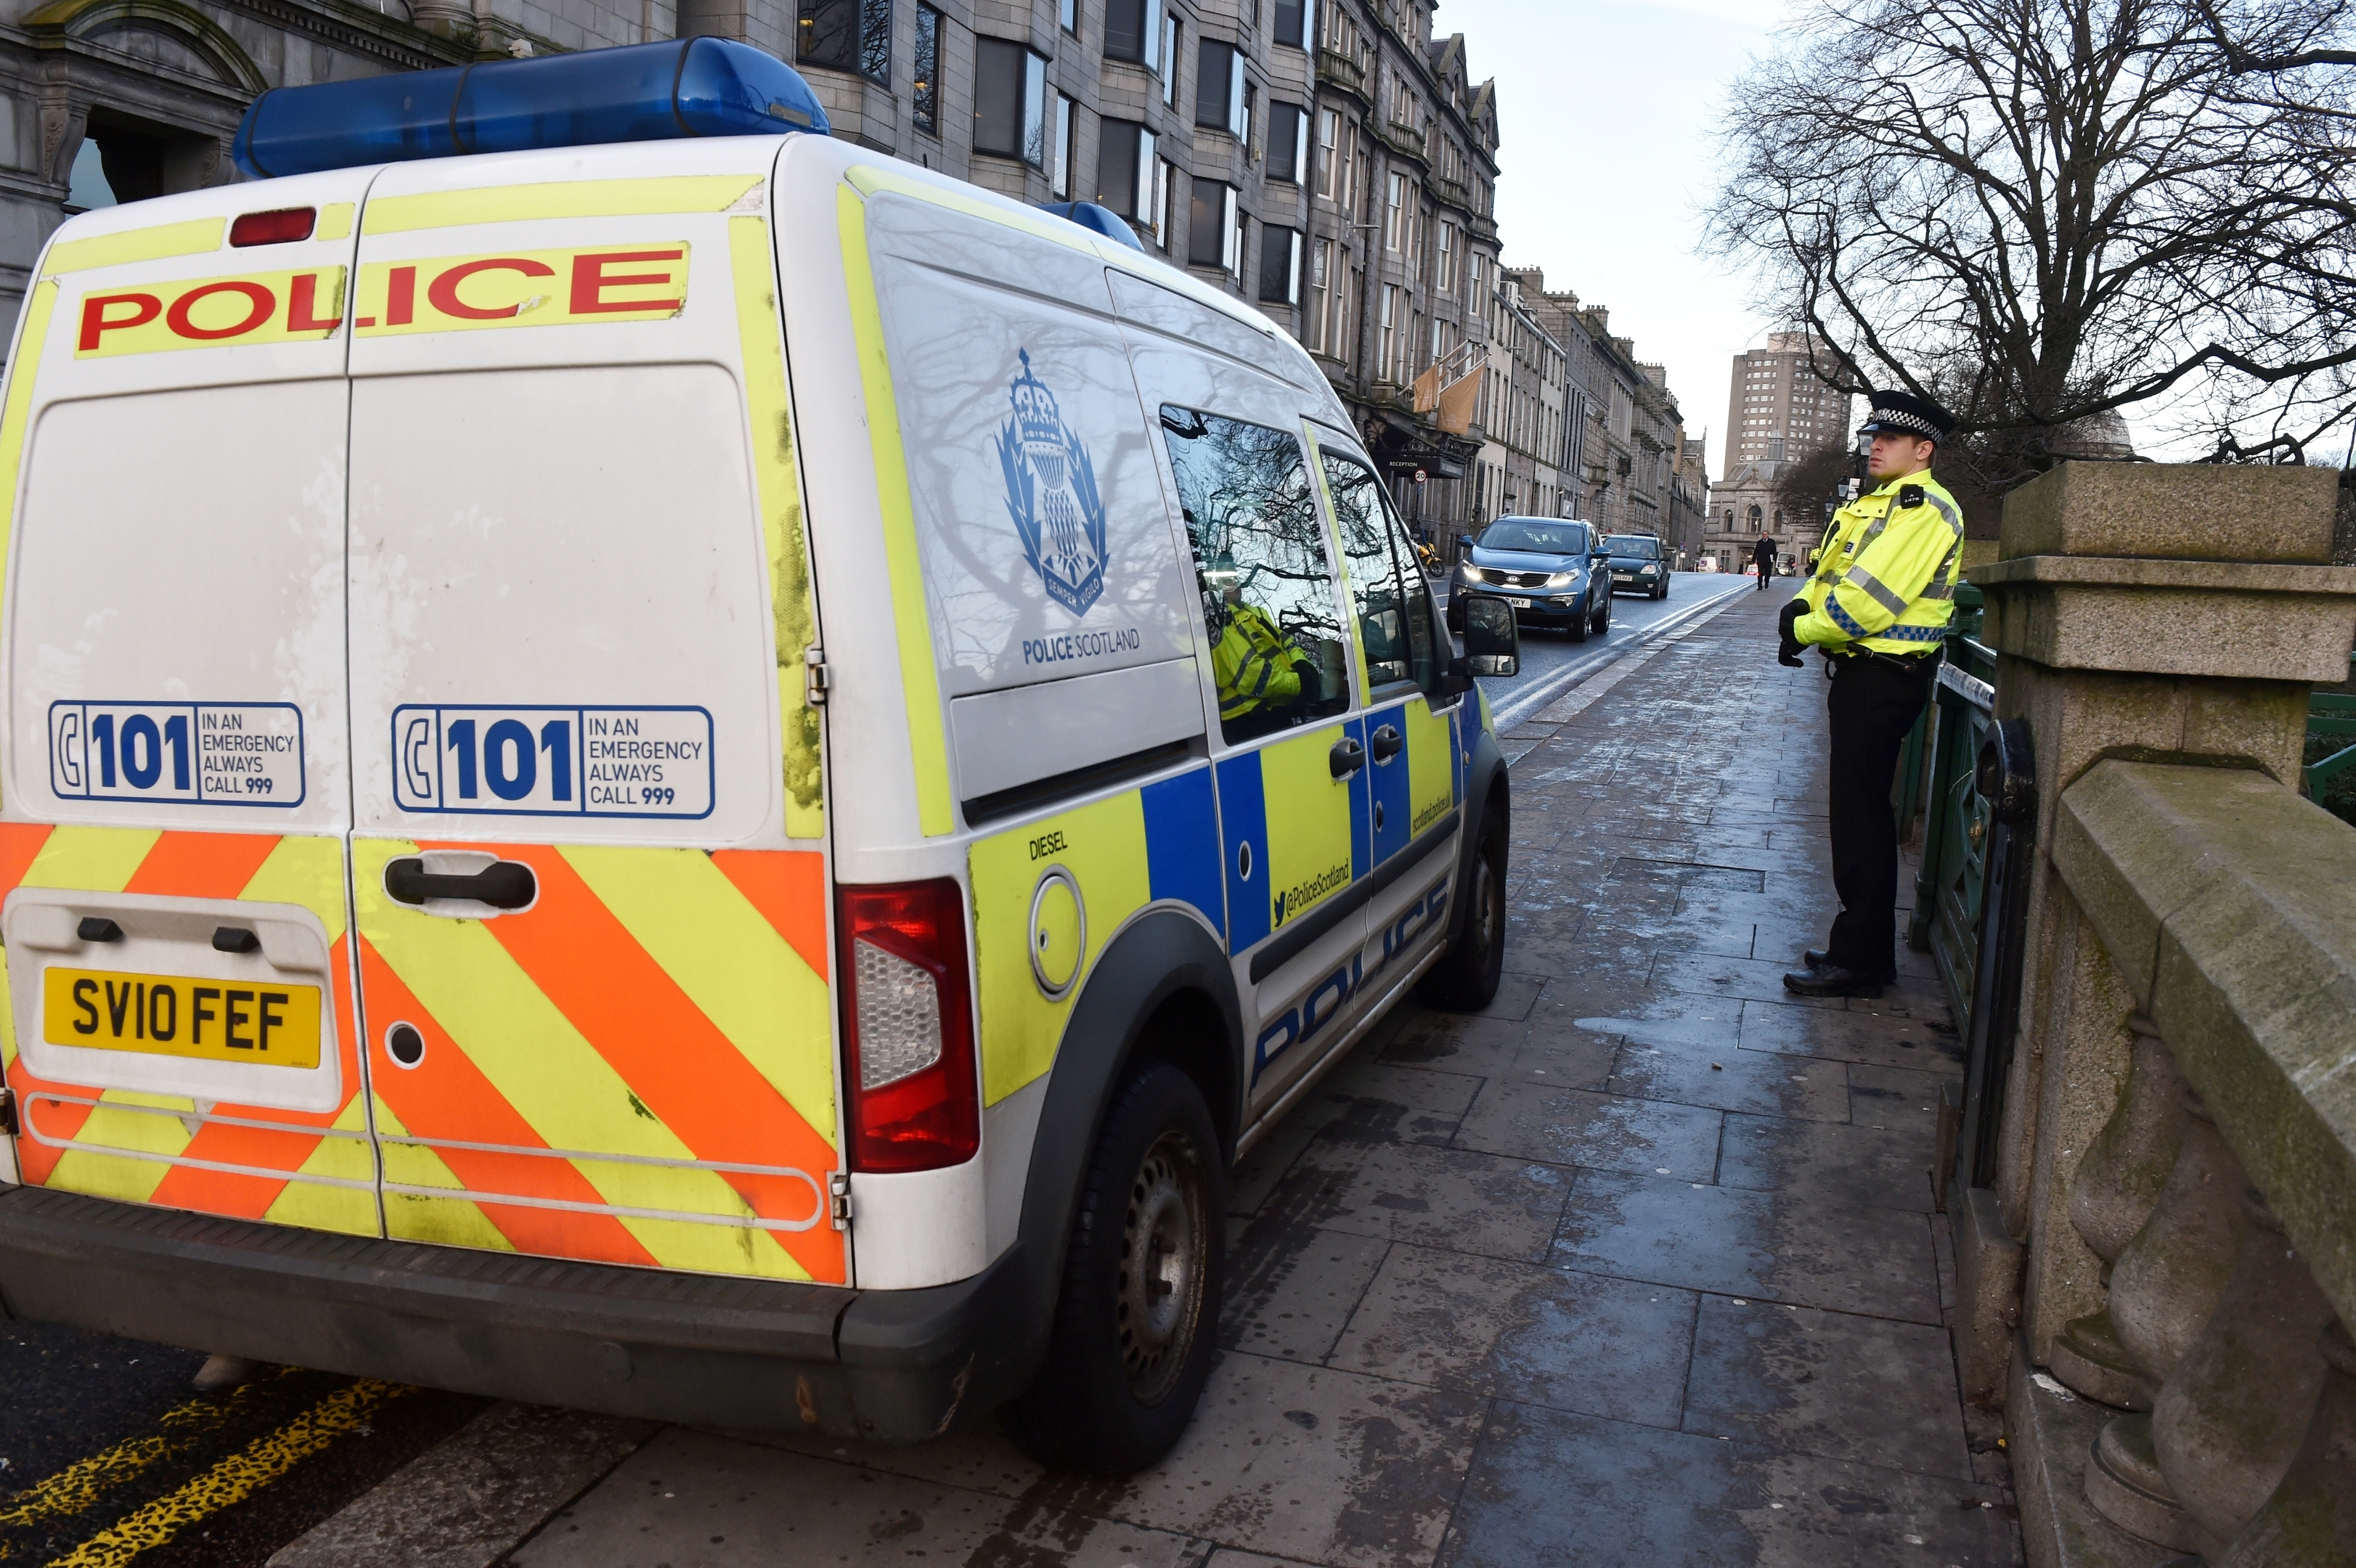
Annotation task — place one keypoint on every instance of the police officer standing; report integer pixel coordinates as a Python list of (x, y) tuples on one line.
[(1877, 608)]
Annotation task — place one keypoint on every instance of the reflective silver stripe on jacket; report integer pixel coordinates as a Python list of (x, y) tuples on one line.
[(1876, 590)]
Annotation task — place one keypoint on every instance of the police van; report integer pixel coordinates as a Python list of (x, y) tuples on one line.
[(656, 762)]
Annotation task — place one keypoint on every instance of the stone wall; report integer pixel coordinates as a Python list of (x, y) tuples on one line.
[(2161, 1277)]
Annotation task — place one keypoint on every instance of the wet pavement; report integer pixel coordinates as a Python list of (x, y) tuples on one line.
[(1637, 1267)]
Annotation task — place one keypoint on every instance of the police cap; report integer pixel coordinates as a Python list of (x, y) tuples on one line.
[(1899, 414)]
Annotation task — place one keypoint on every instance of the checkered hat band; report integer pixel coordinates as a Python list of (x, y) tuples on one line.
[(1898, 418)]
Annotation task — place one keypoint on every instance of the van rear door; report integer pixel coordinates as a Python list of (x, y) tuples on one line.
[(179, 1027), (589, 870)]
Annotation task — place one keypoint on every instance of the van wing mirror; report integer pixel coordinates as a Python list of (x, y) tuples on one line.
[(1493, 641)]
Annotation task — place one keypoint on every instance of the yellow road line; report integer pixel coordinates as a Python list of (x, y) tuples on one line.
[(80, 1484), (235, 1478)]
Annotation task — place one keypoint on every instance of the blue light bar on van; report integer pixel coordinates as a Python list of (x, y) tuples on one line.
[(642, 92), (1097, 219)]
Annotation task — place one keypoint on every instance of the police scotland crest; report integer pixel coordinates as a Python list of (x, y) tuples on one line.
[(1051, 494)]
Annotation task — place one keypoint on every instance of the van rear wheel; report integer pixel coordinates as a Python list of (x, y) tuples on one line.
[(1136, 1322)]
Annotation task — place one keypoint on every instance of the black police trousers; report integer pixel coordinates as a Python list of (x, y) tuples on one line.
[(1872, 704)]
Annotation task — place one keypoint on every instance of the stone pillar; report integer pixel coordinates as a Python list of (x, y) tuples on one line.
[(2163, 613), (2117, 1187), (2312, 1517), (2165, 1289), (2230, 1416)]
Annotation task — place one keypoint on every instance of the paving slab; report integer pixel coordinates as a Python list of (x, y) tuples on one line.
[(1850, 1258), (1855, 1163), (1579, 1126), (1290, 1287), (1740, 979), (463, 1502), (1544, 1336), (1829, 1383), (1456, 1199), (1872, 1038), (1571, 1491), (1728, 1080), (695, 1499), (1476, 1047), (1368, 1100)]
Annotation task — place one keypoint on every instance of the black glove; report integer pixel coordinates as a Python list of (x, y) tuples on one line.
[(1788, 651)]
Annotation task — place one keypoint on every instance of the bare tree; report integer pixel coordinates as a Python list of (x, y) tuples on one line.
[(2039, 210), (1802, 487)]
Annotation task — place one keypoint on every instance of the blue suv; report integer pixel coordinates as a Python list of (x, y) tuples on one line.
[(1548, 569)]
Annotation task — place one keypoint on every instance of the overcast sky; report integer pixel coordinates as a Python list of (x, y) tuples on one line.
[(1605, 110)]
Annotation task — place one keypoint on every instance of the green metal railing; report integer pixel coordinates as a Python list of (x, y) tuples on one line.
[(1937, 781), (2330, 716)]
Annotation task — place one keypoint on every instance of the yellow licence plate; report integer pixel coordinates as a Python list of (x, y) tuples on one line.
[(170, 1015)]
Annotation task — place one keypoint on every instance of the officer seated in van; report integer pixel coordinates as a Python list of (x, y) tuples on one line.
[(1260, 671)]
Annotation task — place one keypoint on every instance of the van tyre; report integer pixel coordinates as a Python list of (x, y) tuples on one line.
[(1465, 978), (1137, 1318)]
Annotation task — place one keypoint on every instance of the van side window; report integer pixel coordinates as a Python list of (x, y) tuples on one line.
[(1393, 605), (1267, 584)]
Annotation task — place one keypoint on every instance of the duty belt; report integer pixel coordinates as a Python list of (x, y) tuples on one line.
[(1912, 664)]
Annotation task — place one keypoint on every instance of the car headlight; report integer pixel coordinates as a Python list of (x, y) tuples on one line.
[(1562, 579), (1650, 567), (1471, 573)]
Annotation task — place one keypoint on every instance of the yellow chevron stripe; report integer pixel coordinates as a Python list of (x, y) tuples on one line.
[(123, 1178), (716, 1249), (316, 1207), (32, 336), (557, 199), (761, 334), (192, 238), (536, 1061), (729, 960), (920, 678), (307, 871), (95, 860), (451, 1221)]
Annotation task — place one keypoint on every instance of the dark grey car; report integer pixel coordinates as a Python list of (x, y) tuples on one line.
[(1638, 565), (1547, 568)]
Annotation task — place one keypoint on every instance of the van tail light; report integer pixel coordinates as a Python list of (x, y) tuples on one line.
[(271, 228), (907, 1026)]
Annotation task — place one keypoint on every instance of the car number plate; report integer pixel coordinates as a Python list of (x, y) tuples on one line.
[(1519, 603), (171, 1015)]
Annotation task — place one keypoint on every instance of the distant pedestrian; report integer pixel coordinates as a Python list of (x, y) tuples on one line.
[(1877, 606), (1764, 552)]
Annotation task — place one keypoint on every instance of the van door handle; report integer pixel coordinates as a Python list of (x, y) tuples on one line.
[(1347, 757), (507, 884), (1387, 743)]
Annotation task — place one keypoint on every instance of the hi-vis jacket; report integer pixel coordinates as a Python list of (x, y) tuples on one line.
[(1885, 577), (1253, 663)]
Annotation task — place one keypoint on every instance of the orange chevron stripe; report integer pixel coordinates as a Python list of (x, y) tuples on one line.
[(674, 1058), (447, 1096), (789, 890), (36, 1161), (201, 865), (250, 1196), (20, 844)]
